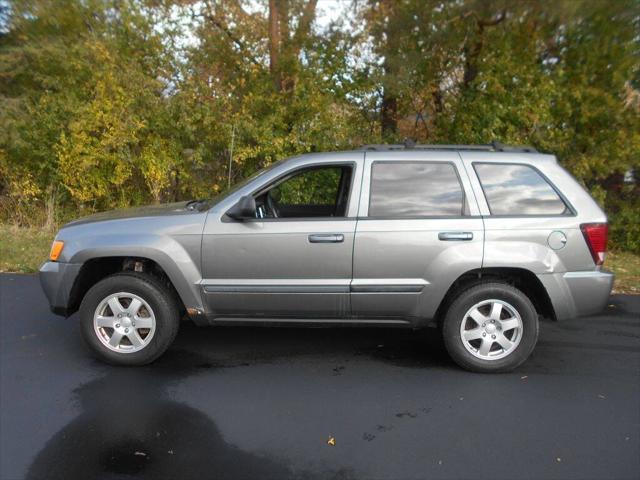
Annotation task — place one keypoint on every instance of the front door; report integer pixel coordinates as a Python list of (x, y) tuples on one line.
[(294, 260)]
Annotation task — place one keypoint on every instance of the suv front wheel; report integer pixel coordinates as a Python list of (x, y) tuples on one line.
[(491, 327), (129, 318)]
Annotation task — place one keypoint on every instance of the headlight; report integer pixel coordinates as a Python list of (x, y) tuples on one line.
[(56, 250)]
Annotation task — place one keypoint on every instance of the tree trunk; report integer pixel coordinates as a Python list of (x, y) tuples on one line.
[(284, 46), (275, 43), (389, 107), (473, 48), (389, 110)]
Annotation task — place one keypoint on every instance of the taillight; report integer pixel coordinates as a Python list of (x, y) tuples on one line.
[(595, 235)]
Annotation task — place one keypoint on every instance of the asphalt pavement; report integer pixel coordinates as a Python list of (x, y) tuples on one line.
[(240, 402)]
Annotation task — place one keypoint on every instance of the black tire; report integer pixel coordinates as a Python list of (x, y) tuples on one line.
[(161, 300), (465, 300)]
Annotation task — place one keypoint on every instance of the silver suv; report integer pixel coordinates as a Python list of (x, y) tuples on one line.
[(480, 240)]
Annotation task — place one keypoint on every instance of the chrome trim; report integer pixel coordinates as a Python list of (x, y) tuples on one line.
[(595, 274), (387, 288), (276, 289)]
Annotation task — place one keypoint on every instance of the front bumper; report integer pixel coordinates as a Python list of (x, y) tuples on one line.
[(57, 279), (575, 294)]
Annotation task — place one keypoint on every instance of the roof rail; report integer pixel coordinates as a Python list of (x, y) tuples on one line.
[(410, 144)]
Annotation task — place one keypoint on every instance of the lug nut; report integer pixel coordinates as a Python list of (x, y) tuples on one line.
[(484, 334), (493, 336), (484, 324), (126, 330), (493, 321), (117, 325), (133, 324), (119, 315)]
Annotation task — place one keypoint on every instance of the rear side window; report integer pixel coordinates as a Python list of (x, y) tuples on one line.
[(415, 189), (518, 190)]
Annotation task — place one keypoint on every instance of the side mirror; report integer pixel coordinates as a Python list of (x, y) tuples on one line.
[(245, 208)]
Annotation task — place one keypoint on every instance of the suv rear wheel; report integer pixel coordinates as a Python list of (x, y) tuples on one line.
[(491, 327), (129, 319)]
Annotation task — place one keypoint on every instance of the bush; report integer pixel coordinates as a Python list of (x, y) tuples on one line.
[(624, 221)]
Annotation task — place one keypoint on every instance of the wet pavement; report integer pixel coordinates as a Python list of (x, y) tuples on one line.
[(261, 403)]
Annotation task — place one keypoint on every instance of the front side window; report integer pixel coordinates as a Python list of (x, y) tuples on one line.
[(311, 192), (517, 190), (415, 189)]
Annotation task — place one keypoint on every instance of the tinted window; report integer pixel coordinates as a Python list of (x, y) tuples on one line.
[(517, 190), (312, 192), (312, 187), (415, 189)]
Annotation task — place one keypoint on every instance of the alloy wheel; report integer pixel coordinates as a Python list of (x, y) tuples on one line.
[(491, 329), (124, 322)]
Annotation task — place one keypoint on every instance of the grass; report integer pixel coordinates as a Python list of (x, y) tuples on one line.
[(24, 249), (626, 266)]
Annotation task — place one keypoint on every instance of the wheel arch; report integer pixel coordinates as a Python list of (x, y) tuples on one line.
[(98, 268), (521, 278)]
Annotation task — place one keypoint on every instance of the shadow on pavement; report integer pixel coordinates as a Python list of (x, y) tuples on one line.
[(130, 427)]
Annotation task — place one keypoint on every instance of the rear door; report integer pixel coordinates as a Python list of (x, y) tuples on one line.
[(418, 230)]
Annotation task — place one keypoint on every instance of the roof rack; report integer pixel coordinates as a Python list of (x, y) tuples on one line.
[(409, 144)]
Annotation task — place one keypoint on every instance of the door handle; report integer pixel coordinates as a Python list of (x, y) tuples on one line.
[(326, 238), (455, 236)]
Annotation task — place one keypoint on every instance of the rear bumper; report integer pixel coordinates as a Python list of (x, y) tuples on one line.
[(575, 294), (57, 279)]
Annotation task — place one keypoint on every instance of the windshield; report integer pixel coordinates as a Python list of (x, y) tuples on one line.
[(242, 183)]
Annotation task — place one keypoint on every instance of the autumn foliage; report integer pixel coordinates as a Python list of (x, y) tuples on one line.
[(107, 103)]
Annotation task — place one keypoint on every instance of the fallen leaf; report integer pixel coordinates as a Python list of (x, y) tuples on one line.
[(558, 459), (524, 377), (601, 396), (140, 454), (331, 441)]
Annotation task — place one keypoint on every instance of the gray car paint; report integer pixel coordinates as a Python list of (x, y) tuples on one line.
[(275, 269), (408, 251), (169, 235), (384, 270)]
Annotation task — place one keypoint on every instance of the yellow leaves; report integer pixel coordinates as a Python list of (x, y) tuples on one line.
[(156, 161), (24, 186), (95, 156)]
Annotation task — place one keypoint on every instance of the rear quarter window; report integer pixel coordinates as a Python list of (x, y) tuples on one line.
[(514, 189)]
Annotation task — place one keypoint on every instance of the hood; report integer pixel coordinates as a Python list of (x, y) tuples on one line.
[(164, 210)]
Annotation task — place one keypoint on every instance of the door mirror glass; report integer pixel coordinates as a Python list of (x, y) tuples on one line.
[(245, 208)]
